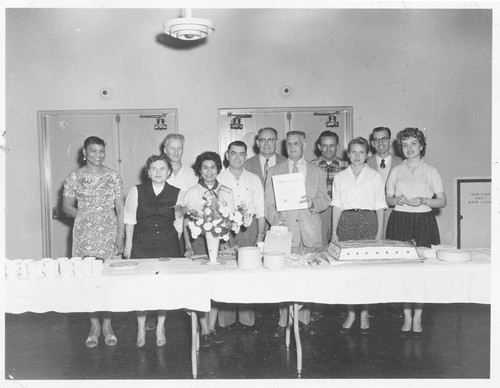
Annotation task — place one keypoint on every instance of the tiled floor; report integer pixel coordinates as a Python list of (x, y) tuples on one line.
[(455, 344)]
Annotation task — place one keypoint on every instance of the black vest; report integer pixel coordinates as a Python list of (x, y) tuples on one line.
[(154, 233)]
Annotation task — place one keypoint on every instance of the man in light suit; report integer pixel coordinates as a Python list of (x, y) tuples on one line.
[(305, 224), (383, 161), (267, 156)]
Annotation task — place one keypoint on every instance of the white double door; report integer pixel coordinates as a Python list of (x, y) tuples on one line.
[(130, 140)]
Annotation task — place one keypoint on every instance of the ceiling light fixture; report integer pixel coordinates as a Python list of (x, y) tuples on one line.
[(236, 120), (332, 118), (188, 28)]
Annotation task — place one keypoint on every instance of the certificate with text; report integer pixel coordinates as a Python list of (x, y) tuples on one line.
[(289, 190)]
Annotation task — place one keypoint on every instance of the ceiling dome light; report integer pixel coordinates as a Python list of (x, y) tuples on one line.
[(188, 28)]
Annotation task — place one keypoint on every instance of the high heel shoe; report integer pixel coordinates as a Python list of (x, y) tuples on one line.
[(405, 333), (345, 330), (92, 341), (110, 340)]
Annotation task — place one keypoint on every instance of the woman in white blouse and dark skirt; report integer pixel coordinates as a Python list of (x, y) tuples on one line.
[(358, 200), (414, 188)]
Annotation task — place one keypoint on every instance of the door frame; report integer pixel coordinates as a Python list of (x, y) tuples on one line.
[(44, 160), (459, 183)]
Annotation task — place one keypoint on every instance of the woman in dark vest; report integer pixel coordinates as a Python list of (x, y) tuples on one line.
[(149, 228)]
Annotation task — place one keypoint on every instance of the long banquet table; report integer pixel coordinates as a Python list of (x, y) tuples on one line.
[(182, 283)]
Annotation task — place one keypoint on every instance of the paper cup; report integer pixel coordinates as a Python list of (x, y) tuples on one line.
[(23, 267), (12, 268), (50, 267), (65, 267), (97, 266), (33, 269), (79, 268), (88, 265)]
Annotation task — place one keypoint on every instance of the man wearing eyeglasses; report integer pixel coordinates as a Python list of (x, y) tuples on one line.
[(267, 157), (383, 161)]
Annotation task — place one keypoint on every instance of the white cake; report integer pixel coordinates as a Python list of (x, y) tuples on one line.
[(372, 250)]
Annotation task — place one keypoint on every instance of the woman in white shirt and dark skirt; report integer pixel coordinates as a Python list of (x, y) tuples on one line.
[(358, 200), (414, 188)]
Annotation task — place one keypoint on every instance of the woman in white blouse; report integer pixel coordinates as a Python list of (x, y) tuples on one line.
[(358, 200), (414, 188)]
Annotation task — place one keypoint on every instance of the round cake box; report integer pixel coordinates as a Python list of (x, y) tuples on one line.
[(274, 259), (249, 258)]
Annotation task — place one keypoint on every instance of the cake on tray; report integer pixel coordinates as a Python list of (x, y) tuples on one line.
[(372, 250)]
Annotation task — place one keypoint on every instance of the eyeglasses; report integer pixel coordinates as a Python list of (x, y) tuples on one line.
[(384, 140), (270, 140)]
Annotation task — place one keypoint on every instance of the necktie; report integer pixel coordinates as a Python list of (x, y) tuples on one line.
[(295, 168), (382, 163), (266, 167)]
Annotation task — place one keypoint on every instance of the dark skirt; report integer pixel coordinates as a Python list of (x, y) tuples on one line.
[(357, 225), (406, 226)]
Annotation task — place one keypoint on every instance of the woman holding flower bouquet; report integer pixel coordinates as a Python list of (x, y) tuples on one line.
[(149, 226), (211, 205)]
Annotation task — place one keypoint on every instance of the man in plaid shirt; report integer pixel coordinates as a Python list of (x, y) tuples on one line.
[(331, 164)]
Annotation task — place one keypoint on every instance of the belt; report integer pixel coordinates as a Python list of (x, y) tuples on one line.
[(358, 210)]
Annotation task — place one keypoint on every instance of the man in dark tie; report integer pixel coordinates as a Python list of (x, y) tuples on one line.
[(267, 157), (383, 161), (305, 224)]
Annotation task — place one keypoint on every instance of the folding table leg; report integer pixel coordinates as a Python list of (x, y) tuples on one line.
[(297, 336), (288, 325), (194, 343)]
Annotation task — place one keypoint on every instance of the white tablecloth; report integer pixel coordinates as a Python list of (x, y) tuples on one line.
[(181, 283), (432, 281), (153, 284)]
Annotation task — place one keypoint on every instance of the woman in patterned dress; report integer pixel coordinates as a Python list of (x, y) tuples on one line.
[(93, 195)]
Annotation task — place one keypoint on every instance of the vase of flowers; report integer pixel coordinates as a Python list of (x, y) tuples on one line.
[(213, 243), (217, 221)]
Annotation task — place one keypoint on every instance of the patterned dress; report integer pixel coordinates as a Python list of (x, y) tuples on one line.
[(96, 226)]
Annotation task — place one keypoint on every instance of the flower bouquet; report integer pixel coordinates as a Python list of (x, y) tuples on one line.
[(217, 221)]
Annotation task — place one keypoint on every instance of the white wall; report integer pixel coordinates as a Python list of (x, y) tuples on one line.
[(397, 68)]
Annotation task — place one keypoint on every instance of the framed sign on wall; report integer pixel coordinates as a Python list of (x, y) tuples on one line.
[(473, 213)]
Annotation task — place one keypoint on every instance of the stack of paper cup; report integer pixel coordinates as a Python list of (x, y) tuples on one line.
[(49, 267), (65, 267), (12, 268), (78, 266)]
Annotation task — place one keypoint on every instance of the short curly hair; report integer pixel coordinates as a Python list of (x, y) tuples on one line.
[(156, 158), (411, 132), (207, 155)]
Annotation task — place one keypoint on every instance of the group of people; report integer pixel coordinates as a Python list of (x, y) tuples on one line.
[(344, 200)]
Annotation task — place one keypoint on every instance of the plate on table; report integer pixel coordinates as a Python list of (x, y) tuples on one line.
[(124, 264)]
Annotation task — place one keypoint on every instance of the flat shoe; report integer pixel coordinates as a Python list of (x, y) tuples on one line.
[(345, 330), (110, 340), (92, 341), (365, 331)]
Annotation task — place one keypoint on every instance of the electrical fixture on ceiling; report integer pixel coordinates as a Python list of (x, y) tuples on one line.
[(236, 120), (332, 118), (160, 125), (188, 28)]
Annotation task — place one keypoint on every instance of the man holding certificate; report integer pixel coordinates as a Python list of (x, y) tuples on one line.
[(295, 195)]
